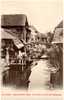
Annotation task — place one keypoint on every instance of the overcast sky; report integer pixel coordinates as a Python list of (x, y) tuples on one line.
[(43, 14)]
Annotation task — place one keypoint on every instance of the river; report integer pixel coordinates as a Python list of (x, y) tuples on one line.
[(40, 75)]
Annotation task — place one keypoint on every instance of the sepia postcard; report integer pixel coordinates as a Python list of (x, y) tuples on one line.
[(31, 39)]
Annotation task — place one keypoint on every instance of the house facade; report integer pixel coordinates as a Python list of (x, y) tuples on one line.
[(14, 31)]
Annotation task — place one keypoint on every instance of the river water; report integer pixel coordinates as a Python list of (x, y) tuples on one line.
[(40, 75)]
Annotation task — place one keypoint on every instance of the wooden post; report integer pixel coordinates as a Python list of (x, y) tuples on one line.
[(7, 55), (19, 56), (22, 64)]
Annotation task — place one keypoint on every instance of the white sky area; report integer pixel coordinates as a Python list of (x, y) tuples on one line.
[(43, 14)]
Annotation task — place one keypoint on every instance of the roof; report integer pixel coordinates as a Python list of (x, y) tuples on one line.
[(6, 35), (14, 20), (60, 25), (34, 31), (58, 35), (32, 28)]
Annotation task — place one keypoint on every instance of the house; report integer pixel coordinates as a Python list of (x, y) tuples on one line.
[(14, 32), (57, 44), (9, 46), (16, 24)]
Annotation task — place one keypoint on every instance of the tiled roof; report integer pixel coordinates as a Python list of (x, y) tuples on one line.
[(60, 25), (58, 35), (14, 20)]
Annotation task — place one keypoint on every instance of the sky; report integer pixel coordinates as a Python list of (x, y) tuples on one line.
[(43, 14)]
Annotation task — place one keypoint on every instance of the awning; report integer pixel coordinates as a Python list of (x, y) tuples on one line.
[(6, 35)]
